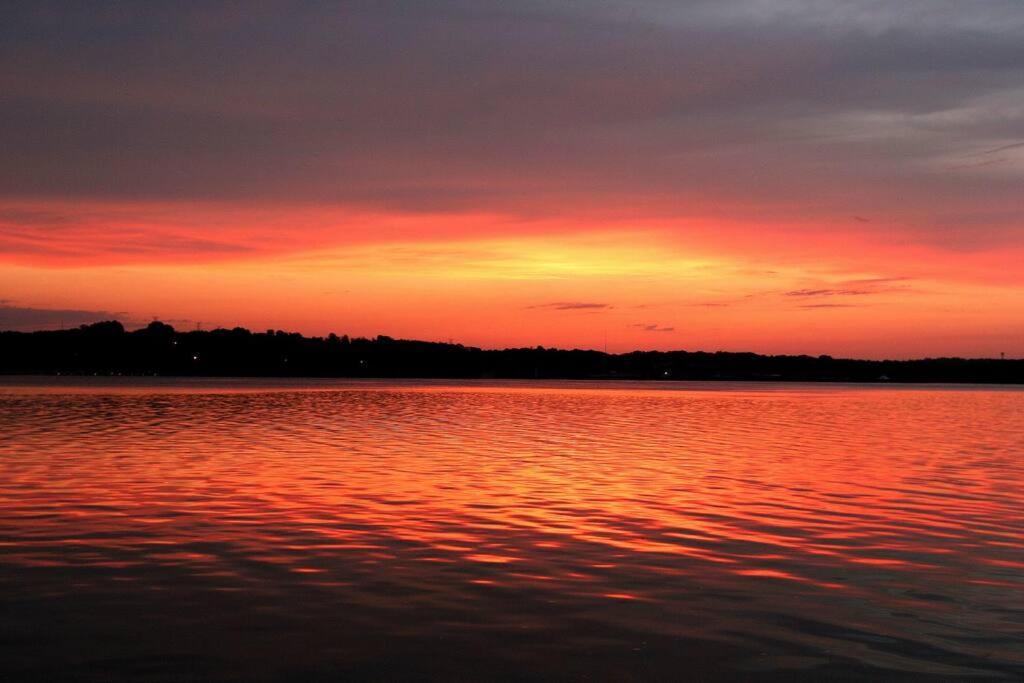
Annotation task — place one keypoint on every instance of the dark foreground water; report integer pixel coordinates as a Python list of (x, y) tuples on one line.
[(242, 530)]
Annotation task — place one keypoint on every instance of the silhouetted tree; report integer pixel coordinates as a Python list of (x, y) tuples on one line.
[(105, 348)]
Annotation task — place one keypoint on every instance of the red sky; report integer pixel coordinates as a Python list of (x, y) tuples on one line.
[(800, 176)]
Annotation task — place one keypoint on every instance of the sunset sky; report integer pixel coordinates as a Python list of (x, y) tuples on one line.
[(798, 176)]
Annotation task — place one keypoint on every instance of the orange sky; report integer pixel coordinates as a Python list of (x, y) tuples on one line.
[(826, 177), (496, 281)]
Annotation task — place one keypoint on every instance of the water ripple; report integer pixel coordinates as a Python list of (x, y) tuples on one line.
[(166, 530)]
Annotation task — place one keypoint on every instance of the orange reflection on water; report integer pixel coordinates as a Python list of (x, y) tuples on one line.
[(866, 509)]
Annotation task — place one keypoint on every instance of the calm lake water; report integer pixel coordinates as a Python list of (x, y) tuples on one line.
[(254, 530)]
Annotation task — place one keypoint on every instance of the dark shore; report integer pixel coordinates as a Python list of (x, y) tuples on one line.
[(108, 349)]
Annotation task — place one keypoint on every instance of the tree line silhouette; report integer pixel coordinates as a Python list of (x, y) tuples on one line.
[(106, 348)]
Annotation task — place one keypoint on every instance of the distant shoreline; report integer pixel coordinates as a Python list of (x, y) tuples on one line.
[(107, 349), (247, 384)]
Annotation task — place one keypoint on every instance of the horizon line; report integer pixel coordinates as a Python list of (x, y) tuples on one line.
[(538, 347)]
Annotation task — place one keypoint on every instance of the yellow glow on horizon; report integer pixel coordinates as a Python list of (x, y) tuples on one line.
[(522, 258), (638, 289)]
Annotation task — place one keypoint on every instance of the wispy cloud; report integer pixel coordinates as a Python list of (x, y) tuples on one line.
[(1003, 148), (652, 327), (573, 306), (872, 281), (855, 287), (829, 292)]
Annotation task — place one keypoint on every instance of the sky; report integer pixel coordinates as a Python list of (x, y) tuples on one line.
[(780, 176)]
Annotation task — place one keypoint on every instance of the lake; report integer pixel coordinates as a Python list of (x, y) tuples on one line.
[(167, 530)]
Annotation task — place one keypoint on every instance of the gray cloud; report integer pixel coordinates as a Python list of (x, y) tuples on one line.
[(752, 109), (25, 318), (653, 327)]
